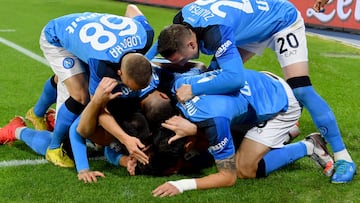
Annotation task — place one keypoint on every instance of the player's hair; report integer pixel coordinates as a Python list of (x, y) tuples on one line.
[(171, 39), (165, 159), (168, 159), (135, 125), (137, 68), (157, 110)]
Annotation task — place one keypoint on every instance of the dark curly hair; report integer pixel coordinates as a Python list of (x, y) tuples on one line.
[(164, 158)]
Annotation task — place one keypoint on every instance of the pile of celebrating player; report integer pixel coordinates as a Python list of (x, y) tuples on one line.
[(161, 116)]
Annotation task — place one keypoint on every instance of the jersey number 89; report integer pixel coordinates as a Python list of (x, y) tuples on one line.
[(101, 39)]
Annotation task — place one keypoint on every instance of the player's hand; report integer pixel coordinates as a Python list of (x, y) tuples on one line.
[(131, 165), (181, 126), (184, 93), (103, 92), (165, 190), (319, 5), (134, 146), (89, 176)]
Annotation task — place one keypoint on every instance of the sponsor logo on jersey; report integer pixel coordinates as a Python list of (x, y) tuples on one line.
[(222, 49), (219, 146), (206, 79), (68, 63), (190, 107)]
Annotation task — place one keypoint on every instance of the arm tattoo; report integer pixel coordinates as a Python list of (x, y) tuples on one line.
[(227, 164)]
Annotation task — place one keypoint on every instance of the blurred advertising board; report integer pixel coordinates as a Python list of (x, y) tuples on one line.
[(165, 3), (341, 15)]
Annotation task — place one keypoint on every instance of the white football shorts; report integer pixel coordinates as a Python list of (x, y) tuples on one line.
[(63, 63), (276, 131), (289, 44)]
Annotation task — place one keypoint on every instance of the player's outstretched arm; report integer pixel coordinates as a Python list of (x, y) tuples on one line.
[(89, 176), (226, 176)]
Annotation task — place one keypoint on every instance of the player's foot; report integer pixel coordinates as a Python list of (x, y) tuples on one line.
[(39, 123), (344, 171), (59, 157), (50, 119), (321, 154), (7, 133)]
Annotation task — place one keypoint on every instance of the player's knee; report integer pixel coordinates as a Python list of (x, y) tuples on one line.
[(74, 106), (81, 97), (246, 170), (301, 81)]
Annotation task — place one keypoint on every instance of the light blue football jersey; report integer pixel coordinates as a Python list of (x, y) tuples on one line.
[(222, 26), (263, 94), (262, 98), (249, 20), (98, 36)]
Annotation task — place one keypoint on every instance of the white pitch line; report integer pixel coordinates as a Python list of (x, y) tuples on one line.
[(23, 162), (341, 55), (7, 30), (26, 162), (43, 61), (24, 51)]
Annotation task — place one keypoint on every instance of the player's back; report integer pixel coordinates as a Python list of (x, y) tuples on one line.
[(251, 20), (94, 35), (265, 95)]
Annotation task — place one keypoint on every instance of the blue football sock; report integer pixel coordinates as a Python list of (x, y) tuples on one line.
[(277, 158), (78, 146), (47, 98), (36, 140), (322, 116), (63, 122), (112, 156)]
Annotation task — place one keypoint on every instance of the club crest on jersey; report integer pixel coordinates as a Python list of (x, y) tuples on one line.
[(68, 63), (222, 49)]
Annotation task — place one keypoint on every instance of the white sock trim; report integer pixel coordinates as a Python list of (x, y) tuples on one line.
[(18, 132), (309, 147), (184, 184), (343, 155)]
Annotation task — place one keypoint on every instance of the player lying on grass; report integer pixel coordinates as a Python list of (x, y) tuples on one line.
[(212, 115), (280, 99), (96, 114), (233, 32), (268, 105), (87, 126), (187, 155)]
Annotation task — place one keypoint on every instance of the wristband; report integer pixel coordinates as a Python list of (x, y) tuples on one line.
[(184, 184)]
